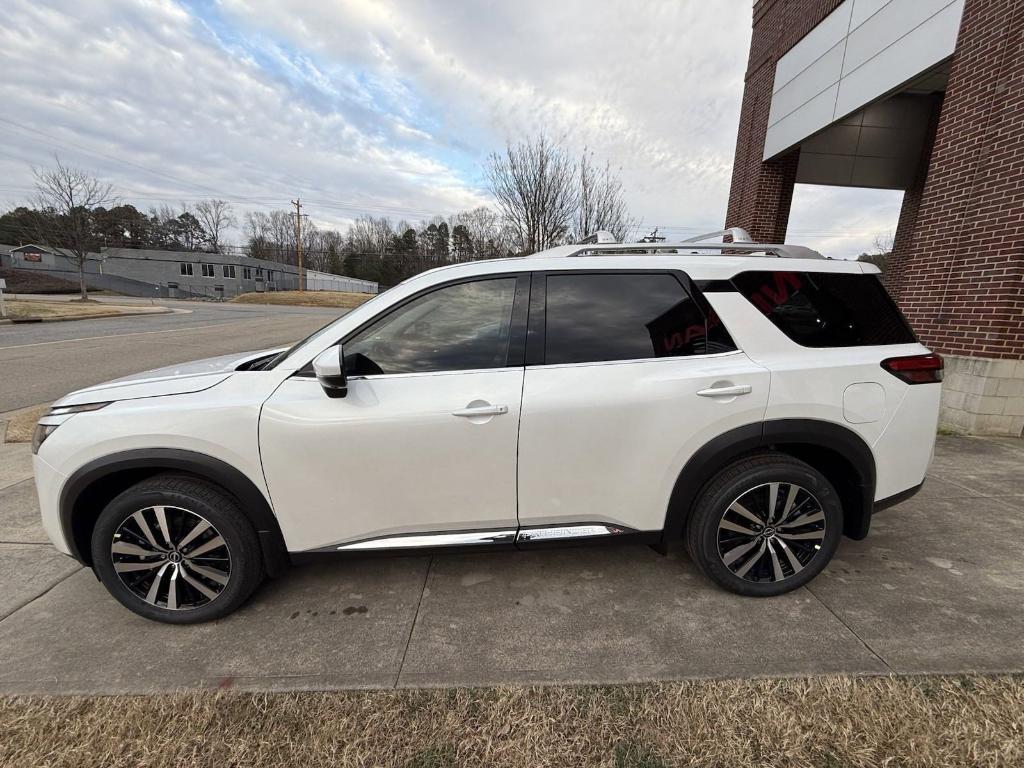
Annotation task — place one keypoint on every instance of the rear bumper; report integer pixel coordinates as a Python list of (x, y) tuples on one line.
[(897, 498)]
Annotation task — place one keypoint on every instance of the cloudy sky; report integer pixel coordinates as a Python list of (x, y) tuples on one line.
[(390, 107)]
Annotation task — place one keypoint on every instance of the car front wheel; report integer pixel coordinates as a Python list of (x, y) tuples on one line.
[(176, 549), (765, 525)]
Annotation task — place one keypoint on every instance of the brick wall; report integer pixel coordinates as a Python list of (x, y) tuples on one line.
[(896, 272), (961, 280), (761, 193), (958, 268)]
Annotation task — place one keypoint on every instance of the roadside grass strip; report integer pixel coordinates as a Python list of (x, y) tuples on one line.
[(973, 721), (338, 299)]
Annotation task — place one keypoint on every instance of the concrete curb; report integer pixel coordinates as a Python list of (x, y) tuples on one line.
[(100, 316)]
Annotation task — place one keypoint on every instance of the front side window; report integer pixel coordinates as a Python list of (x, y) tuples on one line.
[(606, 317), (462, 327), (824, 309)]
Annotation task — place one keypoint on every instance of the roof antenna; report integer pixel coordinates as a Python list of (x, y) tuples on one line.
[(654, 237)]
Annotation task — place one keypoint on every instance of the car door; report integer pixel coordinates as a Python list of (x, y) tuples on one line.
[(628, 374), (422, 450)]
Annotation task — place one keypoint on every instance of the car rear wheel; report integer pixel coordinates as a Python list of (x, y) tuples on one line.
[(765, 525), (176, 549)]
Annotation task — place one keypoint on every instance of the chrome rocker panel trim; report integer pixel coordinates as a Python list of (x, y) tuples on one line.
[(482, 538)]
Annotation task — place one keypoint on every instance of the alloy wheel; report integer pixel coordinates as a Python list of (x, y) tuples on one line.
[(771, 532), (171, 557)]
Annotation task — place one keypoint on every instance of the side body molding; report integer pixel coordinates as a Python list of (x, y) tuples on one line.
[(87, 483), (836, 451)]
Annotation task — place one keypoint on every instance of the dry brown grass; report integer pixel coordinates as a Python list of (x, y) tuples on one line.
[(22, 423), (969, 721), (19, 309), (338, 299)]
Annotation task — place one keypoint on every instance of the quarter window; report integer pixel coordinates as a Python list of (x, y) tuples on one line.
[(593, 318), (466, 326), (823, 309)]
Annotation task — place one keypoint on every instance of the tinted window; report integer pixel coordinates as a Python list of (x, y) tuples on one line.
[(818, 309), (461, 327), (591, 318)]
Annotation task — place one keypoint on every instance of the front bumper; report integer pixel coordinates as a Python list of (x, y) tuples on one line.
[(49, 483), (897, 498)]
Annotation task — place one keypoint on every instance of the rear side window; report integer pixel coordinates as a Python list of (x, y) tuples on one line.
[(603, 317), (820, 309)]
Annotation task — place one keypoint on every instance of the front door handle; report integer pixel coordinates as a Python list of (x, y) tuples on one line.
[(729, 391), (481, 410)]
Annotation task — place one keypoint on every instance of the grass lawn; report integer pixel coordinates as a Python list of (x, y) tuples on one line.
[(338, 299), (22, 309), (972, 721)]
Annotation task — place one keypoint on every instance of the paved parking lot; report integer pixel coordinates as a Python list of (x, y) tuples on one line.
[(937, 587)]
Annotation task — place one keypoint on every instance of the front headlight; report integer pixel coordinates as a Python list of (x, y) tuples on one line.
[(57, 416)]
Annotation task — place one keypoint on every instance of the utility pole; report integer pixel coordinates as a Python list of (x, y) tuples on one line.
[(298, 239)]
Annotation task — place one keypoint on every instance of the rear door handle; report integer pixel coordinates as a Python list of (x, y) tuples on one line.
[(481, 410), (731, 391)]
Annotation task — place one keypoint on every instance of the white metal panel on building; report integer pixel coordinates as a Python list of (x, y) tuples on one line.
[(859, 53)]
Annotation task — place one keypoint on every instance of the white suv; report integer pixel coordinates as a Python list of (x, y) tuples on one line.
[(754, 401)]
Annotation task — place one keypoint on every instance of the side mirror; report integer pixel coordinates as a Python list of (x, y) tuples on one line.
[(329, 367)]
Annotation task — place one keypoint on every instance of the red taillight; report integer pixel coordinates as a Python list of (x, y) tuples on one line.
[(916, 369)]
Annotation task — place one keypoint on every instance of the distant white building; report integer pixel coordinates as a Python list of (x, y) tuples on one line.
[(178, 274)]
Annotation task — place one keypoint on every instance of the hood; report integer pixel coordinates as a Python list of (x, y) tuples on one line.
[(170, 380)]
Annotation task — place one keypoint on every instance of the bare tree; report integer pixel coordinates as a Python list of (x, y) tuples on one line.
[(882, 250), (66, 196), (534, 183), (215, 216), (601, 204), (489, 234)]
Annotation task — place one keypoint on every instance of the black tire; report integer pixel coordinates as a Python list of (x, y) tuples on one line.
[(775, 549), (229, 571)]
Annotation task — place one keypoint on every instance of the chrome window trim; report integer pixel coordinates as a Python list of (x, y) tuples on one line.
[(418, 374), (589, 364), (667, 359)]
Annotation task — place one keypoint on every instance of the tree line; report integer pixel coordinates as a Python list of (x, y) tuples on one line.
[(543, 194)]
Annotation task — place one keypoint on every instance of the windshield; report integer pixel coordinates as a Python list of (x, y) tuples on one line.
[(280, 358)]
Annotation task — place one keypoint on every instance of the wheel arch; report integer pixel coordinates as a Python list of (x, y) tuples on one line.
[(90, 488), (839, 453)]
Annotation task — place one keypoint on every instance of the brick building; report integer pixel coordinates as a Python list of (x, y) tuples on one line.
[(925, 96)]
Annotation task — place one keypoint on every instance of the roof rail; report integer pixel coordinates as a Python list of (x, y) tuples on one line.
[(601, 236), (778, 250), (738, 234)]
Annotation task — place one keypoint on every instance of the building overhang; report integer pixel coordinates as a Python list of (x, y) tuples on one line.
[(859, 54)]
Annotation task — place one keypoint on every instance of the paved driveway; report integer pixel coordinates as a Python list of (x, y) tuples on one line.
[(937, 587)]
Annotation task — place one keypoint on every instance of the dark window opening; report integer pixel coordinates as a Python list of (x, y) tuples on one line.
[(822, 309), (606, 317), (466, 326)]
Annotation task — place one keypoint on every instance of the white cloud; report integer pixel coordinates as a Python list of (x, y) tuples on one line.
[(384, 105)]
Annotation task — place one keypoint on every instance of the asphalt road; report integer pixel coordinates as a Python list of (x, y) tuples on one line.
[(40, 362)]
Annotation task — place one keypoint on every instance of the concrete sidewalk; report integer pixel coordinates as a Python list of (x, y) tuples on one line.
[(937, 587)]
